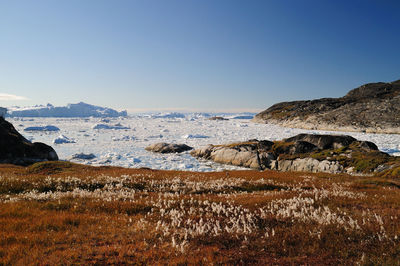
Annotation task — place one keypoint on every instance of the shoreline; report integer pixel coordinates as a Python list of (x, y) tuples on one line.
[(301, 124)]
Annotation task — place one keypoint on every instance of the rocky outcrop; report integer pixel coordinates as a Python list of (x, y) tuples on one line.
[(251, 154), (15, 149), (323, 141), (373, 107), (304, 152), (163, 147), (307, 165)]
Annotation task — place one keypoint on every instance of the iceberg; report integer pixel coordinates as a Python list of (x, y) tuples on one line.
[(195, 136), (169, 115), (63, 139), (71, 110), (105, 126)]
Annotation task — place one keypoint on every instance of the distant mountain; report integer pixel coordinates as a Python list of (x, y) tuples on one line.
[(71, 110), (373, 107)]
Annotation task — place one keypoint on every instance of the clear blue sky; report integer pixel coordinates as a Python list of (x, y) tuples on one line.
[(201, 55)]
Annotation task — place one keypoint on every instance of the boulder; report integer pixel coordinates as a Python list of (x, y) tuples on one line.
[(323, 141), (15, 149), (368, 146), (163, 147), (252, 154), (297, 147), (309, 165)]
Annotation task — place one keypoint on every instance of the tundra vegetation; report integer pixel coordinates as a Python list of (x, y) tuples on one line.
[(64, 213)]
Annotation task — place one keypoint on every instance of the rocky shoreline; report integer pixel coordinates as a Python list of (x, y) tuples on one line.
[(313, 123), (15, 149), (303, 152)]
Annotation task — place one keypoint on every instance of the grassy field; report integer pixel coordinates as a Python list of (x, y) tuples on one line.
[(63, 213)]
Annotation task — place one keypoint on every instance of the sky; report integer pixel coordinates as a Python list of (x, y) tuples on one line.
[(194, 55)]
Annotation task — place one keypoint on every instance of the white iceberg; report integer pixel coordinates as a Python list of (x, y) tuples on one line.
[(63, 139), (195, 136), (169, 115), (71, 110)]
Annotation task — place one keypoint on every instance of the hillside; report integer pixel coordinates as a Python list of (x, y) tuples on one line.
[(373, 108)]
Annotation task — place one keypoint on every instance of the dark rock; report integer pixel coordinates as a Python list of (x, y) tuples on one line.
[(297, 148), (163, 147), (368, 146), (220, 118), (375, 90), (324, 141), (16, 149), (83, 156), (265, 145)]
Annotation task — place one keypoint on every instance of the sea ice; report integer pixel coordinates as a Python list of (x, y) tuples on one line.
[(124, 138), (195, 136), (105, 126), (169, 115), (146, 131), (63, 139), (243, 117), (136, 160)]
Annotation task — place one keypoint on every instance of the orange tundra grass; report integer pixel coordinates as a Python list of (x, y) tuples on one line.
[(59, 212)]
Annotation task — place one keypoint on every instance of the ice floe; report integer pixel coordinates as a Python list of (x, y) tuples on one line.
[(83, 156), (63, 139), (194, 136), (105, 126), (44, 128)]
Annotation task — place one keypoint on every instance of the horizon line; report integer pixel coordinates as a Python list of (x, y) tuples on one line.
[(164, 109), (191, 110)]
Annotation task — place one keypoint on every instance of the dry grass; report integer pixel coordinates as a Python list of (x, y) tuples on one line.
[(63, 213)]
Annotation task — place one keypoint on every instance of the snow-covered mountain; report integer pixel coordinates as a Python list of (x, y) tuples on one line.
[(71, 110)]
